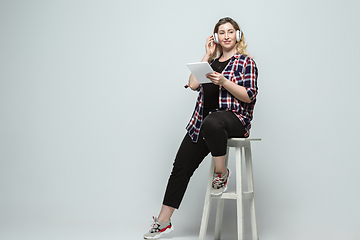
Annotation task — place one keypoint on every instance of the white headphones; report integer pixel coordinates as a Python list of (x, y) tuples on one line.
[(238, 37)]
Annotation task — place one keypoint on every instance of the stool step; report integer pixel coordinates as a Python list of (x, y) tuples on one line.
[(232, 195)]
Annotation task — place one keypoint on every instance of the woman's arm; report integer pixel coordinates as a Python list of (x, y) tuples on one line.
[(193, 83), (236, 90)]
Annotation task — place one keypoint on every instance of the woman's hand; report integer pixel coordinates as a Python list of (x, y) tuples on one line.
[(216, 78), (210, 48), (237, 91)]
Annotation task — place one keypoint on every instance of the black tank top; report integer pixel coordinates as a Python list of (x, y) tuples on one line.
[(211, 91)]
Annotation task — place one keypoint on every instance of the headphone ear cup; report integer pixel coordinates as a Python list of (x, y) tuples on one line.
[(216, 38), (238, 35)]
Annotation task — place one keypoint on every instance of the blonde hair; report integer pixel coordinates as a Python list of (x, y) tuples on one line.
[(240, 46)]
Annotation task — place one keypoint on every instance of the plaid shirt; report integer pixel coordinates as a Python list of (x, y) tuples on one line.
[(241, 70)]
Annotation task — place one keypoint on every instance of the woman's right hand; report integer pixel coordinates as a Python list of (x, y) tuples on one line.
[(210, 48)]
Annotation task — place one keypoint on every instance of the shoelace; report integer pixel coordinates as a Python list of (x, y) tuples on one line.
[(218, 182), (154, 227)]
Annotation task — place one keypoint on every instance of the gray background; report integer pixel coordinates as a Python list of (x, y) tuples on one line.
[(93, 110)]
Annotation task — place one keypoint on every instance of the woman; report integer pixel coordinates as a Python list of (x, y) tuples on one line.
[(224, 109)]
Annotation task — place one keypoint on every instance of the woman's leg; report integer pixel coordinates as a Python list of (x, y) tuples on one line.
[(165, 213), (187, 160), (217, 128), (220, 164)]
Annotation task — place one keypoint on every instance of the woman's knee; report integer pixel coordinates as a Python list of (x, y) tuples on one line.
[(211, 123), (181, 171)]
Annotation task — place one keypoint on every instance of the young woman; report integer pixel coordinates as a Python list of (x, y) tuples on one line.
[(224, 109)]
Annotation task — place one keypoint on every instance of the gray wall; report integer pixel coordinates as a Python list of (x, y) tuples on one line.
[(93, 110)]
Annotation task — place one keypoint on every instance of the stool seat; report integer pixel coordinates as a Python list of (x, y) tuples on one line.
[(233, 142), (241, 145)]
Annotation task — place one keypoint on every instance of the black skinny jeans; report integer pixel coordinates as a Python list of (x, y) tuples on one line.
[(216, 128)]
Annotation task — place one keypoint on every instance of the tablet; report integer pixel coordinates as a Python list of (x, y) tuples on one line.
[(200, 69)]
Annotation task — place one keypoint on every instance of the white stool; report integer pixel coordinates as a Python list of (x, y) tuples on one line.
[(239, 144)]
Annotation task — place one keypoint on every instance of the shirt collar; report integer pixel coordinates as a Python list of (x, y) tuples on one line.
[(236, 55)]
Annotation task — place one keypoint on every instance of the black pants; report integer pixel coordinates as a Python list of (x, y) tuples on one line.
[(216, 128)]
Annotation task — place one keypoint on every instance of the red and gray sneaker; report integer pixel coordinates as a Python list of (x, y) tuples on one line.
[(158, 229), (219, 183)]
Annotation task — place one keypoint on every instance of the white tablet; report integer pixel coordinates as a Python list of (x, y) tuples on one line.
[(200, 69)]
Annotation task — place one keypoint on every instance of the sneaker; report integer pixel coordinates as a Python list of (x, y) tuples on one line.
[(159, 228), (219, 183)]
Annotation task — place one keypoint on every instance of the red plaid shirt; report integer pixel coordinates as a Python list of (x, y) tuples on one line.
[(241, 70)]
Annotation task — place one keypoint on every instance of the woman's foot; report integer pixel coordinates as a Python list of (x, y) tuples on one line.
[(159, 228), (220, 182)]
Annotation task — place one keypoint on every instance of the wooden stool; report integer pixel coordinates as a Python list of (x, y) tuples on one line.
[(239, 144)]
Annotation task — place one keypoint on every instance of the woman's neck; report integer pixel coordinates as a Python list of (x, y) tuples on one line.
[(227, 54)]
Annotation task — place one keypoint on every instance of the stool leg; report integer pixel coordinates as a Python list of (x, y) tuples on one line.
[(220, 208), (239, 195), (219, 218), (207, 204), (250, 182)]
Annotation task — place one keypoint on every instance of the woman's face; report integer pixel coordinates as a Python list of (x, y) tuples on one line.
[(227, 36)]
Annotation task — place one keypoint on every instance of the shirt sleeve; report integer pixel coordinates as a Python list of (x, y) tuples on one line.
[(250, 78)]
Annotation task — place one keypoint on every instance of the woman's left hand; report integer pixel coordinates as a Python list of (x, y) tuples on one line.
[(216, 78)]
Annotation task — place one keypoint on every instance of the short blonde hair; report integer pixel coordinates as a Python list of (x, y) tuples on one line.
[(240, 46)]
